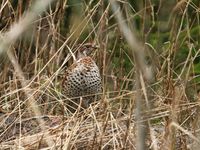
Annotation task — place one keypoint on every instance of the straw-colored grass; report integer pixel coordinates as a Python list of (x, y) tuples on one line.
[(149, 62)]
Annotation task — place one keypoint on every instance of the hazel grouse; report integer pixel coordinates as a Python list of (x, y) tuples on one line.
[(82, 80)]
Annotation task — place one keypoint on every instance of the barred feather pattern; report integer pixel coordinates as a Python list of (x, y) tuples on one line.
[(82, 79)]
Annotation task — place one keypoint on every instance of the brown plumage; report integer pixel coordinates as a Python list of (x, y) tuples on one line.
[(82, 79)]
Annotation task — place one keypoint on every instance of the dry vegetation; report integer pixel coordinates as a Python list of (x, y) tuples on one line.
[(149, 58)]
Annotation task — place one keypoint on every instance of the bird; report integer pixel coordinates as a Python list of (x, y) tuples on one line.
[(82, 83)]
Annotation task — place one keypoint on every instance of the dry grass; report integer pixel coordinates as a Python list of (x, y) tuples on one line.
[(147, 58)]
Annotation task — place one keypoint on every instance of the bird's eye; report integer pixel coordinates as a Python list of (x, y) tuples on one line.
[(87, 46)]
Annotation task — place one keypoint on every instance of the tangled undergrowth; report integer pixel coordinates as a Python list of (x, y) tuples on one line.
[(149, 62)]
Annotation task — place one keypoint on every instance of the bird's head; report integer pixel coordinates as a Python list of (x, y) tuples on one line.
[(86, 50)]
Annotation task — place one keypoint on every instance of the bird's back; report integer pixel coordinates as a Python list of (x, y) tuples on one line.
[(82, 79)]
